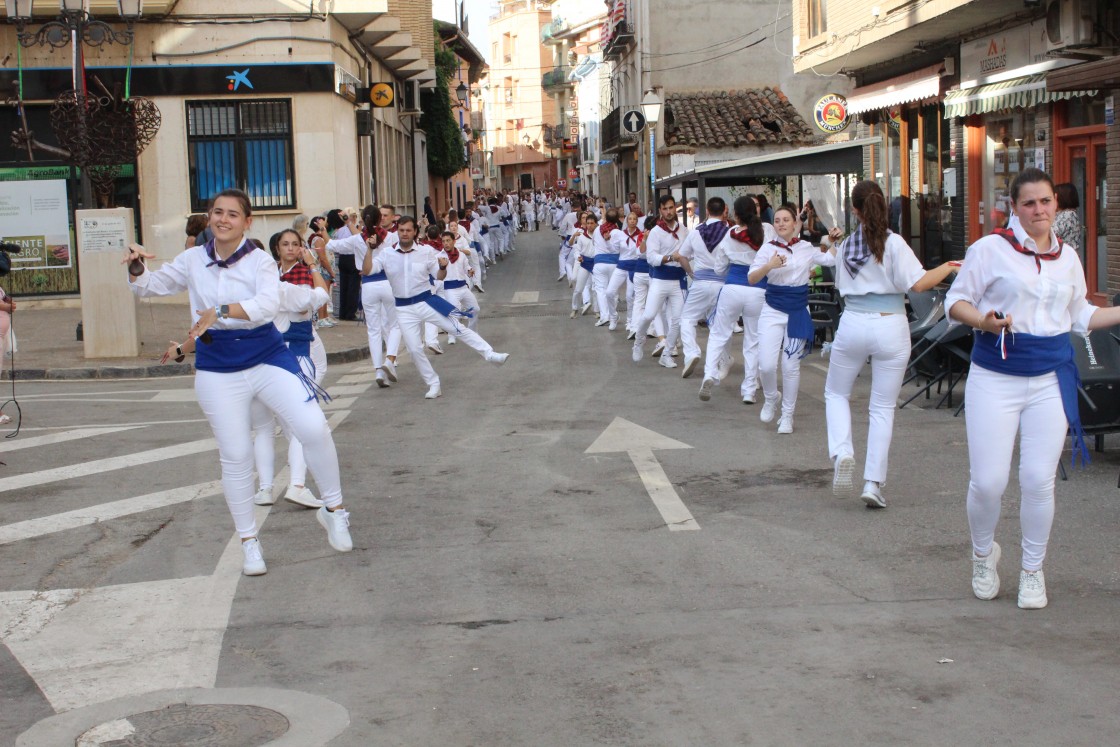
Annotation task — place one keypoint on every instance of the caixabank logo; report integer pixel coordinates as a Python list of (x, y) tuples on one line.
[(237, 79)]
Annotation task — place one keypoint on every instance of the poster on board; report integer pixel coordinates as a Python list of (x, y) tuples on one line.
[(35, 215)]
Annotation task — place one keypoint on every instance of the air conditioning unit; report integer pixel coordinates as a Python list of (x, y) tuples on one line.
[(1070, 24), (410, 97)]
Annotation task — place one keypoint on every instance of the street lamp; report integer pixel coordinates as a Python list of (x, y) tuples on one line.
[(651, 108), (462, 93), (75, 24)]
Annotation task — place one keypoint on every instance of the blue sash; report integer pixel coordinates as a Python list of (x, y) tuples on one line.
[(298, 337), (374, 277), (588, 263), (453, 284), (441, 305), (661, 272), (628, 265), (1032, 355), (606, 259), (232, 350), (483, 229), (737, 275), (708, 275), (793, 300)]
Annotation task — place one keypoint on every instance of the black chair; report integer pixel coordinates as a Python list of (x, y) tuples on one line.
[(927, 308), (826, 317), (942, 356)]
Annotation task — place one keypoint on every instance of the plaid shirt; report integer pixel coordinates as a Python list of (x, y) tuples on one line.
[(300, 274)]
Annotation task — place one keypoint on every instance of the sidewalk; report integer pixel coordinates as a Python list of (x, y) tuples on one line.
[(48, 347)]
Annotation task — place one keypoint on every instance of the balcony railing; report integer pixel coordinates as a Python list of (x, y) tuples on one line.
[(618, 30), (611, 137), (556, 78)]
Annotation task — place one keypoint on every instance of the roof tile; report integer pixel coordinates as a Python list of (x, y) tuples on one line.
[(730, 119)]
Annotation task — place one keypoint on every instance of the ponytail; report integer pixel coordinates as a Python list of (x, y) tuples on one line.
[(867, 197), (746, 214)]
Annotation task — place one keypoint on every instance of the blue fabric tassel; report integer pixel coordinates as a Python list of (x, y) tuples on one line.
[(793, 300)]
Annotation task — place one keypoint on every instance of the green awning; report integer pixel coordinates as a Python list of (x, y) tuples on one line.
[(1027, 91)]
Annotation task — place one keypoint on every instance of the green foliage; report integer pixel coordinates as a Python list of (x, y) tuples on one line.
[(446, 154)]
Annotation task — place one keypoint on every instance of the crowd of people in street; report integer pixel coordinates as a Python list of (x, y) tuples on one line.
[(748, 268)]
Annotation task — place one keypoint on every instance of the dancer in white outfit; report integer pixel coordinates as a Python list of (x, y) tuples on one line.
[(567, 226), (699, 249), (785, 329), (874, 270), (608, 240), (581, 243), (234, 290), (630, 258), (667, 276), (738, 298), (408, 269), (455, 285), (1024, 292)]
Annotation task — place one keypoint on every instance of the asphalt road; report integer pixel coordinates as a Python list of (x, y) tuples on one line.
[(509, 588)]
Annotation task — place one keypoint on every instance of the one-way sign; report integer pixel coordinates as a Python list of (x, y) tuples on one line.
[(633, 121)]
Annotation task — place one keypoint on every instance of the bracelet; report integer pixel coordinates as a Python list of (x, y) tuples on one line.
[(980, 320)]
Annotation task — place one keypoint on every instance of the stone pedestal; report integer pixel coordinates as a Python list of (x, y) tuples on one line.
[(108, 306)]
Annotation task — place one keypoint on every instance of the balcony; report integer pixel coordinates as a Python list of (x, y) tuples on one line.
[(550, 31), (556, 79), (618, 31), (612, 138)]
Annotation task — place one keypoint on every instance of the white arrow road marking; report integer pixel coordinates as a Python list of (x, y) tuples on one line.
[(15, 444), (640, 443), (86, 646), (81, 517), (526, 297)]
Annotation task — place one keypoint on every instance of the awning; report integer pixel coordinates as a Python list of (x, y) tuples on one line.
[(1097, 74), (830, 158), (916, 86), (1026, 92)]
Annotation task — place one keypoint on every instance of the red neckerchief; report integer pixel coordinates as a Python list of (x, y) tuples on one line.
[(437, 245), (493, 208), (743, 238), (636, 237), (297, 274), (1009, 235), (782, 245), (665, 227), (605, 230), (452, 254)]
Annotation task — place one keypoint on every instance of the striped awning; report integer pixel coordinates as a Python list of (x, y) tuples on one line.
[(1025, 92)]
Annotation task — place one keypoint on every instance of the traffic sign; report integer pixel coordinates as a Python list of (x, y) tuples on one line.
[(633, 122), (573, 173)]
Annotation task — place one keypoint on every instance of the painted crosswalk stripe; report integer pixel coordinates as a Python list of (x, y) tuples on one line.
[(526, 297), (16, 444)]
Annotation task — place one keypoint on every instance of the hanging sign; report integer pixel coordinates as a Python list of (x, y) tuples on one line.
[(381, 94), (831, 113)]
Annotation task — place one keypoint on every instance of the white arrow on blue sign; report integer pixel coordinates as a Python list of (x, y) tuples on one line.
[(633, 121)]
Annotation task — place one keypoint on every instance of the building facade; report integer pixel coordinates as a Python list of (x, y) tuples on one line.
[(456, 191), (574, 84), (280, 107)]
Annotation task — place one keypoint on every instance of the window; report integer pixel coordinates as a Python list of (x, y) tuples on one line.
[(509, 89), (815, 16), (507, 47), (241, 144)]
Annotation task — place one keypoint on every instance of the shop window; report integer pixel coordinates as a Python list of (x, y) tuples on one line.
[(1010, 149), (815, 17), (241, 144), (1084, 112)]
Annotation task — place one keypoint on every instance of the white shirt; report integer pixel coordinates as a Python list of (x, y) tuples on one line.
[(343, 233), (1046, 302), (252, 281), (408, 272), (628, 247), (456, 270), (611, 244), (353, 244), (583, 244), (731, 252), (298, 303), (492, 218), (897, 273), (568, 224), (661, 244), (697, 253), (798, 263)]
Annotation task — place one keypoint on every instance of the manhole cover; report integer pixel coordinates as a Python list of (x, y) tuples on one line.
[(183, 725)]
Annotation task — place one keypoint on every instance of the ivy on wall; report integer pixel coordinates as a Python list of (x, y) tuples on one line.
[(446, 154)]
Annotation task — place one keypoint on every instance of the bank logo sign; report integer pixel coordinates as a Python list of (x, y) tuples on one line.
[(831, 113), (239, 79)]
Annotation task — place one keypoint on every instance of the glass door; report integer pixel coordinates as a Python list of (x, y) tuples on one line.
[(1084, 158)]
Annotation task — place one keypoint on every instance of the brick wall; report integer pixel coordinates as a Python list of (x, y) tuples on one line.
[(1112, 145), (416, 19)]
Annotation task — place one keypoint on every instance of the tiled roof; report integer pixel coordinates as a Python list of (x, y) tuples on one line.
[(728, 119)]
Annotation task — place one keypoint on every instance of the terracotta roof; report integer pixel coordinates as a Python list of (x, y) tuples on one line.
[(728, 119)]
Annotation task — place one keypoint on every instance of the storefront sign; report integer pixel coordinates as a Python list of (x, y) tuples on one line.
[(35, 215), (831, 113), (476, 172), (1010, 53), (381, 95)]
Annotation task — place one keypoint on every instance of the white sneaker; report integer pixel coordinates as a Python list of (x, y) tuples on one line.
[(497, 358), (842, 475), (748, 398), (724, 367), (390, 370), (689, 367), (380, 379), (675, 351), (337, 524), (254, 560), (612, 326), (706, 389), (785, 424), (1032, 590), (584, 308), (574, 312), (985, 576), (433, 392), (636, 353), (770, 408), (667, 361), (601, 322), (631, 335), (435, 348), (738, 328), (658, 349), (302, 497), (264, 497), (562, 276), (451, 340), (872, 495)]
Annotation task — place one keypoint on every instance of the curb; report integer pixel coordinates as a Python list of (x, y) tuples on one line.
[(157, 371)]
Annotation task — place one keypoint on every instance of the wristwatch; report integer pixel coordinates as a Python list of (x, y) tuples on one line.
[(222, 311)]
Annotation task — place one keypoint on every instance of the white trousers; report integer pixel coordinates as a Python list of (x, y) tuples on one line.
[(663, 294), (736, 301), (998, 405), (463, 299), (582, 280), (487, 241), (886, 341), (565, 257), (771, 339), (412, 319), (698, 304), (226, 400), (641, 292), (381, 321), (608, 307), (618, 280), (476, 264)]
